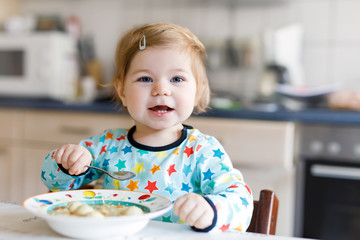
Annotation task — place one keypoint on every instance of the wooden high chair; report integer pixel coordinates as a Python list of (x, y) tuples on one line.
[(265, 213)]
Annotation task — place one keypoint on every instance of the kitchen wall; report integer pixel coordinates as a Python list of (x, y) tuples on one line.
[(331, 42)]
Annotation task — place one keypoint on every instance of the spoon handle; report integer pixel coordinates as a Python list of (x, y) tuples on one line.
[(100, 169), (121, 175)]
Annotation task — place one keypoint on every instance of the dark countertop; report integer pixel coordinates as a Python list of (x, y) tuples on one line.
[(319, 116)]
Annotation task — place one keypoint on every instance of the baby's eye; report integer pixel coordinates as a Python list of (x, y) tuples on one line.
[(145, 79), (176, 79)]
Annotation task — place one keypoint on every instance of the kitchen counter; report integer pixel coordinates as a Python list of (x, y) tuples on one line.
[(319, 116)]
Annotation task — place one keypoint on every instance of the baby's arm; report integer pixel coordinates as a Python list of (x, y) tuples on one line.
[(73, 158), (63, 168), (195, 210), (223, 187)]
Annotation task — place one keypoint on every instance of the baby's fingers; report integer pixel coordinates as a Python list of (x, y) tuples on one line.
[(59, 153), (184, 206), (203, 220), (79, 166), (178, 204)]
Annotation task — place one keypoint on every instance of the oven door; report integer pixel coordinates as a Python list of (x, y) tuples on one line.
[(330, 207)]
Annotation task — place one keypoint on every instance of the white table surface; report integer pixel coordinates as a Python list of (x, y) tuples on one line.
[(17, 223)]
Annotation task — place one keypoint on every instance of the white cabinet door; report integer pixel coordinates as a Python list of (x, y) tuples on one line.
[(11, 124), (251, 143), (10, 150), (69, 127), (33, 158), (6, 157)]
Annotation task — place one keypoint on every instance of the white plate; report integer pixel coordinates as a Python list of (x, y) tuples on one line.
[(93, 228)]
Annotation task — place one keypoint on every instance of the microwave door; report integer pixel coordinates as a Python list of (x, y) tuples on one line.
[(19, 67), (12, 63)]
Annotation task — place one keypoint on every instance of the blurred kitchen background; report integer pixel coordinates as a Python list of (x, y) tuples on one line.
[(250, 43), (282, 72)]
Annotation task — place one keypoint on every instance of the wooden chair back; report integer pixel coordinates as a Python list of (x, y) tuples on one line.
[(265, 213)]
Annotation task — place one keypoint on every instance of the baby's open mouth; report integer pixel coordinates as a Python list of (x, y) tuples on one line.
[(161, 109)]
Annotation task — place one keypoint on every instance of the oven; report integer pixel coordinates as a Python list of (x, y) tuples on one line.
[(328, 182)]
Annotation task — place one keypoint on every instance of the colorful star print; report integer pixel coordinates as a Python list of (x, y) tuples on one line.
[(187, 169), (161, 154), (151, 186), (109, 135), (197, 165), (133, 185), (171, 169), (170, 188), (201, 159), (127, 149), (106, 162), (139, 167), (53, 176), (188, 151), (166, 219), (120, 164), (142, 152), (244, 201), (121, 138), (103, 149), (208, 174), (191, 138), (154, 169), (176, 152), (218, 153), (185, 187), (113, 149), (224, 167), (225, 227), (116, 184), (43, 175)]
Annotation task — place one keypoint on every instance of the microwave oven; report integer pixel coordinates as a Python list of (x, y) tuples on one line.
[(39, 65)]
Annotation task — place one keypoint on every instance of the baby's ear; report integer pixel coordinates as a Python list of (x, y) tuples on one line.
[(120, 91)]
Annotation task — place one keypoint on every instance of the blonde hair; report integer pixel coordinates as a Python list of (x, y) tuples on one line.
[(163, 34)]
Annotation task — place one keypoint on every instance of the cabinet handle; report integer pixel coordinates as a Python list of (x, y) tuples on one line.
[(74, 130)]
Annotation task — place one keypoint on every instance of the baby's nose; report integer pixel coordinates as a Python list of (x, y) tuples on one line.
[(161, 89)]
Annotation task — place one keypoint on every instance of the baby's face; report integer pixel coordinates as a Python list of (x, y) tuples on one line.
[(160, 88)]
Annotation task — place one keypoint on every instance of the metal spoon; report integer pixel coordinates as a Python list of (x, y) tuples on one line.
[(119, 175)]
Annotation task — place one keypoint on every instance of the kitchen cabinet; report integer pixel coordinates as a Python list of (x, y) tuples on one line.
[(60, 127), (6, 153), (10, 139), (251, 143)]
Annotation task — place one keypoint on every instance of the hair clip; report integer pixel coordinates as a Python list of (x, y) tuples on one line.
[(142, 43)]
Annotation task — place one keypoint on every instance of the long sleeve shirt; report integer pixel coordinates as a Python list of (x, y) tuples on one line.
[(196, 162)]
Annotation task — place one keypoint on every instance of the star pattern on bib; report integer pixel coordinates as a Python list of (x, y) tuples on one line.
[(197, 164), (154, 169), (151, 186), (171, 169)]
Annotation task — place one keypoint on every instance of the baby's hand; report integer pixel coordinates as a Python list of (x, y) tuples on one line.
[(195, 210), (74, 158)]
